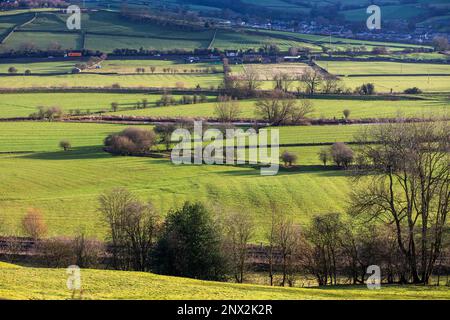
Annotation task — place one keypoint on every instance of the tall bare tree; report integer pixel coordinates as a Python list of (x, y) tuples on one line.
[(239, 230), (279, 108), (408, 187), (312, 80), (227, 109)]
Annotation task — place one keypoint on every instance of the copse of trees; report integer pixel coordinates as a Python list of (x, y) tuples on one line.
[(164, 131), (227, 109), (342, 154), (133, 229), (366, 89), (289, 158), (278, 108), (131, 141), (47, 113), (190, 245)]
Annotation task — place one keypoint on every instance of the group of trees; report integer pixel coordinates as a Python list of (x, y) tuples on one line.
[(168, 100), (310, 82), (185, 243), (47, 113), (131, 141), (339, 153), (279, 108)]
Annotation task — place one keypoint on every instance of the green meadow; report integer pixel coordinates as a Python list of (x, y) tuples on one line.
[(388, 68), (66, 185), (323, 108), (101, 81), (23, 104), (50, 284)]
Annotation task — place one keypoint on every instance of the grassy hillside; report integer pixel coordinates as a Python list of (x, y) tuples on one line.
[(66, 185), (102, 284)]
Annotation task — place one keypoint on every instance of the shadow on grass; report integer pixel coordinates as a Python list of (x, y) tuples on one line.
[(329, 171), (78, 153)]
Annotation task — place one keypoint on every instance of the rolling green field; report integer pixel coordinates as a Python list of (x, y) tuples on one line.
[(111, 66), (101, 81), (23, 104), (373, 67), (46, 284), (324, 108), (400, 83), (66, 185)]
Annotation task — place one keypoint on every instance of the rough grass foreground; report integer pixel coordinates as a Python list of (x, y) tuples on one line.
[(34, 283)]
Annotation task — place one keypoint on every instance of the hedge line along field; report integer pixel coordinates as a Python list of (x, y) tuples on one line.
[(46, 284), (387, 68), (111, 66), (323, 108), (98, 80), (23, 104), (66, 185), (400, 83), (384, 84)]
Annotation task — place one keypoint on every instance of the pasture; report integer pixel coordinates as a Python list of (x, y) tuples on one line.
[(50, 284), (66, 185), (323, 108), (102, 81), (23, 104), (346, 68)]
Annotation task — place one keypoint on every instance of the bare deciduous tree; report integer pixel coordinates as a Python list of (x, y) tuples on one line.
[(312, 80), (227, 109), (239, 228), (279, 108), (409, 188)]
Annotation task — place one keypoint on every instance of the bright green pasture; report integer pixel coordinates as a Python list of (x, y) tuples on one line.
[(400, 83), (44, 284), (43, 40), (239, 40), (323, 108), (39, 67), (107, 43), (129, 66), (23, 104), (66, 185), (367, 68), (111, 66), (95, 80)]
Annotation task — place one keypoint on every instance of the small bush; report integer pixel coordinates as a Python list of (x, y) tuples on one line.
[(33, 224), (12, 70), (65, 145), (414, 90), (289, 158)]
